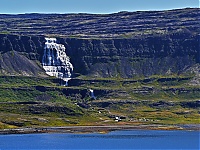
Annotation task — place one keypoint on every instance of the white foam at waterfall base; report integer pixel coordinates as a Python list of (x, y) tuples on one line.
[(55, 60)]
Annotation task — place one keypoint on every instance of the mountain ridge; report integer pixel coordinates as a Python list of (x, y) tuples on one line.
[(119, 25)]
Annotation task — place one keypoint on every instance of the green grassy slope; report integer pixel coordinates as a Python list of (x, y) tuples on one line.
[(34, 102)]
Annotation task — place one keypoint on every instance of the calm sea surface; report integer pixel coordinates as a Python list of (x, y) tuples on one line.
[(125, 139)]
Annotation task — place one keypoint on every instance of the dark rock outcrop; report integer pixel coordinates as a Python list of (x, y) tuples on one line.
[(192, 104)]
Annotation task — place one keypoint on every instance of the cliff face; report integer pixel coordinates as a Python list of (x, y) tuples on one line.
[(19, 56), (174, 50), (109, 57), (132, 57)]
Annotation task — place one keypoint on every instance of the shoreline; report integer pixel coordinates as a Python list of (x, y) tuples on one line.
[(98, 129)]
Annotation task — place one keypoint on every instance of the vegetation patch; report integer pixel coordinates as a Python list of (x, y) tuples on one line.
[(36, 102)]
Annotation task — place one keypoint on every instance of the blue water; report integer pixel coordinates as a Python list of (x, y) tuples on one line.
[(124, 139)]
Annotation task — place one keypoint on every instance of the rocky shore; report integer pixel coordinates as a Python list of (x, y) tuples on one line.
[(99, 129)]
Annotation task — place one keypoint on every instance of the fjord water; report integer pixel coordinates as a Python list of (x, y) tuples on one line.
[(124, 139)]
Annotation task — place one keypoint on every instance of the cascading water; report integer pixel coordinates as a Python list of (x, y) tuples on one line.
[(92, 93), (55, 61)]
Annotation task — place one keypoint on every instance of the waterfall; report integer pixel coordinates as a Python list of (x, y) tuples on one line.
[(55, 61), (92, 93)]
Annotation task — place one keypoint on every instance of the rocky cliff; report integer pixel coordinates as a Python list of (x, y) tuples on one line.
[(142, 43), (105, 57)]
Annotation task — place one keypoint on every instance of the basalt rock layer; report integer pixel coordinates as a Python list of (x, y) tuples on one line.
[(123, 44)]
